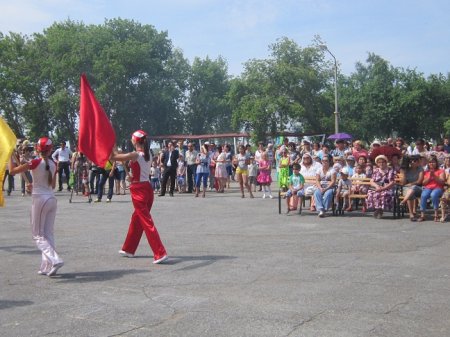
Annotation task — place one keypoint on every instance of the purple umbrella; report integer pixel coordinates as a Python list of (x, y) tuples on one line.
[(339, 136)]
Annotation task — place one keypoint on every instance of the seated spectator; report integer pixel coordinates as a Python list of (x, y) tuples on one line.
[(326, 181), (316, 150), (411, 178), (344, 187), (357, 187), (420, 148), (309, 170), (445, 201), (400, 145), (433, 187), (350, 164), (395, 163), (296, 190), (381, 195)]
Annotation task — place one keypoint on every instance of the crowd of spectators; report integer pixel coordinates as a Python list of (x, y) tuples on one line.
[(303, 169)]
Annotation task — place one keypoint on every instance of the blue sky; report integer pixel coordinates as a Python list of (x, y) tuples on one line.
[(410, 34)]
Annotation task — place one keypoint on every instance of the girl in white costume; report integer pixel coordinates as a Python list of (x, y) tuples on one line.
[(43, 208)]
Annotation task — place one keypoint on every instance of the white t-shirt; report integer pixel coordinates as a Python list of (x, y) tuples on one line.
[(40, 176)]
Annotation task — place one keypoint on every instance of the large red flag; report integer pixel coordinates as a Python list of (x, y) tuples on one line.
[(96, 137)]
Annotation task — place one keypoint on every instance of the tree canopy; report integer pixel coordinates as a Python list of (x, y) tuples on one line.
[(143, 81)]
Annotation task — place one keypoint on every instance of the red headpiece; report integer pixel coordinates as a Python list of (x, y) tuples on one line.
[(44, 144), (138, 135)]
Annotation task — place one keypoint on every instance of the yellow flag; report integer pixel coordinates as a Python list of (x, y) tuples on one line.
[(7, 143)]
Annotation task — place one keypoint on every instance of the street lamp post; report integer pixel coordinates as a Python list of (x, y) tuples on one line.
[(336, 111)]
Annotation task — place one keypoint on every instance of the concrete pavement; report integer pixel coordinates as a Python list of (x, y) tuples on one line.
[(236, 268)]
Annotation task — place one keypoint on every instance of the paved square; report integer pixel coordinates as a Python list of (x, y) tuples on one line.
[(236, 268)]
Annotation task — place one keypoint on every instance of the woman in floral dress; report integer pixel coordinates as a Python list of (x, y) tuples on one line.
[(381, 195)]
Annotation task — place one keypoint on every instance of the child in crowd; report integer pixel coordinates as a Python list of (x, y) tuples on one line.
[(155, 174), (264, 177), (252, 173), (181, 174), (359, 174), (296, 188), (343, 189)]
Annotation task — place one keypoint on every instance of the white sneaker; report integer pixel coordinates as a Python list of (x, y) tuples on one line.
[(55, 268), (161, 260), (125, 254), (264, 196), (321, 214), (108, 200), (271, 196), (40, 272)]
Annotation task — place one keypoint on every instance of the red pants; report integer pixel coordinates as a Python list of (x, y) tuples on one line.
[(141, 221)]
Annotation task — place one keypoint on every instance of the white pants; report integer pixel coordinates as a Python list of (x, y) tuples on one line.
[(43, 213)]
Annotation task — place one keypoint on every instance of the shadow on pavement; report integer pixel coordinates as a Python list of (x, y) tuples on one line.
[(24, 250), (95, 276), (5, 304), (203, 260)]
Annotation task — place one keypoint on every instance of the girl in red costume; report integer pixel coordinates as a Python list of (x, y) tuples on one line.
[(43, 209), (142, 198)]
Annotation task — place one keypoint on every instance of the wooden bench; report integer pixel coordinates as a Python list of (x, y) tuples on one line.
[(354, 196), (308, 182)]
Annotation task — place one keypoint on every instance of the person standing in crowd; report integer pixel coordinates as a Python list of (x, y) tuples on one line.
[(447, 145), (221, 170), (213, 154), (264, 176), (283, 169), (294, 157), (62, 158), (79, 167), (358, 150), (258, 156), (191, 156), (169, 161), (252, 173), (228, 164), (44, 205), (203, 162), (181, 174), (420, 148), (306, 147), (94, 178), (242, 160), (26, 155), (106, 175), (142, 198), (270, 154), (155, 175), (340, 149), (120, 174)]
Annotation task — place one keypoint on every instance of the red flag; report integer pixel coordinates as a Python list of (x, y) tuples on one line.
[(96, 137)]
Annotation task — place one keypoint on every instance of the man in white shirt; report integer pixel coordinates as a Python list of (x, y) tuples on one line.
[(62, 157), (191, 155)]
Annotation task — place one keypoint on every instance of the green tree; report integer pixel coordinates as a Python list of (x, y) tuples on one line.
[(207, 109), (286, 90)]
